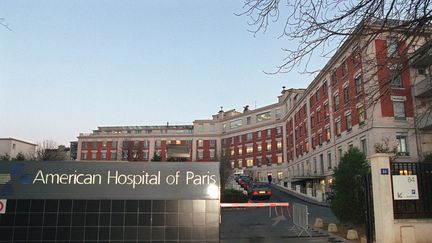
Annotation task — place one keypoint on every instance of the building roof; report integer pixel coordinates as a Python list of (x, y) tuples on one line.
[(21, 141)]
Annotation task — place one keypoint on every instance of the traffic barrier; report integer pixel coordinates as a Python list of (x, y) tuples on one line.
[(301, 218), (259, 205)]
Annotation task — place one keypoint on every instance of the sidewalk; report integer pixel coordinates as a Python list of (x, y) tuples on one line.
[(300, 196)]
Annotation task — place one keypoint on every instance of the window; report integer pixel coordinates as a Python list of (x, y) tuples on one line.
[(249, 149), (340, 152), (336, 102), (240, 151), (232, 152), (93, 155), (329, 161), (402, 145), (328, 134), (269, 146), (240, 140), (83, 156), (362, 114), (263, 116), (280, 175), (200, 143), (232, 164), (224, 126), (212, 143), (338, 127), (259, 147), (268, 133), (392, 46), (318, 116), (240, 164), (231, 140), (113, 156), (363, 146), (113, 145), (279, 145), (320, 138), (348, 120), (278, 113), (94, 145), (317, 95), (312, 121), (212, 154), (325, 87), (399, 109), (158, 143), (344, 68), (334, 77), (200, 154), (248, 136), (356, 59), (104, 145), (358, 84), (259, 134), (145, 143), (103, 156), (278, 130), (248, 120), (236, 123), (259, 163), (249, 162), (396, 80), (311, 101), (84, 145), (326, 111), (346, 95)]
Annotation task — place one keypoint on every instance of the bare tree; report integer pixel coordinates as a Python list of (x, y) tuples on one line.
[(48, 151), (323, 28), (316, 24)]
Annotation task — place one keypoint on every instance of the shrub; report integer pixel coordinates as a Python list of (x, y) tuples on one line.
[(233, 196), (349, 202)]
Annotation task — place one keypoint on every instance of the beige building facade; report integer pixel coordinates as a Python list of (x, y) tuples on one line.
[(11, 147)]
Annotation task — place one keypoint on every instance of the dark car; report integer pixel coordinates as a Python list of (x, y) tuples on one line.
[(259, 190), (244, 182)]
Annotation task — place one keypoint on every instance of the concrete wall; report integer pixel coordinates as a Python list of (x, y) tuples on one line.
[(389, 230), (13, 146)]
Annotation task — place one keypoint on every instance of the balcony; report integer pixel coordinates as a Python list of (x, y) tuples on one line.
[(423, 89), (424, 121)]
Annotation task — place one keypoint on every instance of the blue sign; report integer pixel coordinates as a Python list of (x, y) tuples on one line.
[(384, 171)]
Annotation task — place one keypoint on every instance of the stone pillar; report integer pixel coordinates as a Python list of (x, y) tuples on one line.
[(382, 198)]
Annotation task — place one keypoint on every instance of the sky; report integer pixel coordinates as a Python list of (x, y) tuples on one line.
[(70, 66)]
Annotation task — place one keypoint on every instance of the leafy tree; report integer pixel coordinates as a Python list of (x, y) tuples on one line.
[(226, 172), (349, 202), (20, 157), (156, 157)]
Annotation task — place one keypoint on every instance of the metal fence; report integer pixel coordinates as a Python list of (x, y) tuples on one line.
[(421, 208), (301, 218)]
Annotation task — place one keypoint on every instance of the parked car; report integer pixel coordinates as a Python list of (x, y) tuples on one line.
[(259, 191), (244, 182)]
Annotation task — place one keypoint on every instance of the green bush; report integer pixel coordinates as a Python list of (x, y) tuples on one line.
[(349, 203), (233, 196), (428, 158)]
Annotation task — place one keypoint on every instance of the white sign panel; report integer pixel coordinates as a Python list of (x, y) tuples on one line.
[(405, 187), (2, 206)]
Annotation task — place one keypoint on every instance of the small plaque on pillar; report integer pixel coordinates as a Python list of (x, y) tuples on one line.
[(384, 171)]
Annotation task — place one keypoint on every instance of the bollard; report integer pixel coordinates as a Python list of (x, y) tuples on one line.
[(332, 228), (352, 234), (318, 223)]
